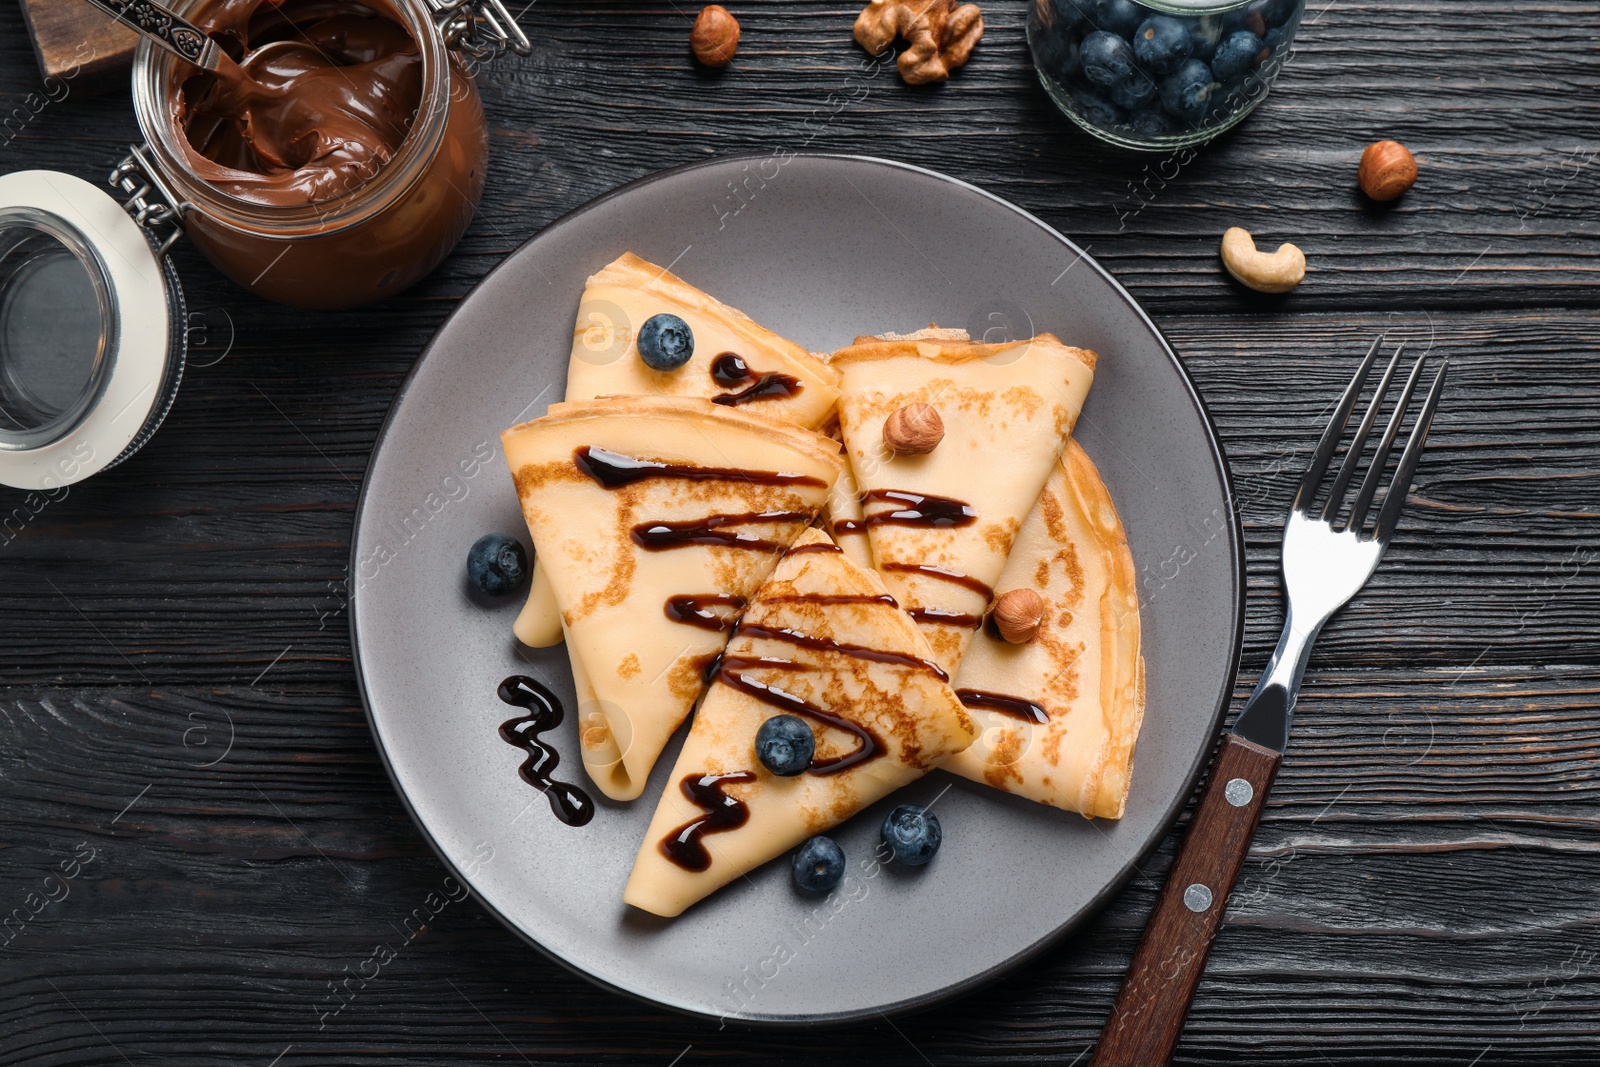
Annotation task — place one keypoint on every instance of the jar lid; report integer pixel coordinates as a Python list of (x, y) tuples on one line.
[(91, 331)]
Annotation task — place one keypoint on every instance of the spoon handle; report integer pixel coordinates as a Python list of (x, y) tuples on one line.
[(176, 35)]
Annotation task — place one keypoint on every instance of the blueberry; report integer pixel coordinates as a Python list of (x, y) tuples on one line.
[(1095, 111), (1151, 122), (1134, 93), (1162, 44), (1066, 14), (1274, 39), (1186, 92), (665, 342), (496, 564), (785, 745), (818, 864), (1276, 12), (912, 834), (1204, 33), (1120, 17), (1239, 53), (1057, 54), (1108, 59), (1249, 19)]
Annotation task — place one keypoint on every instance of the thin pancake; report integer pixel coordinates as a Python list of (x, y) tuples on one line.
[(1007, 412), (655, 520), (783, 380), (1083, 673), (820, 634)]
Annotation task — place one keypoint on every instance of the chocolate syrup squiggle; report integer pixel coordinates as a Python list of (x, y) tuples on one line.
[(571, 805), (1016, 707), (868, 745), (613, 470), (714, 530), (685, 846)]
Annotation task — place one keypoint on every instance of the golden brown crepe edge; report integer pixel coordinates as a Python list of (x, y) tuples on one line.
[(1122, 665), (945, 351), (797, 437)]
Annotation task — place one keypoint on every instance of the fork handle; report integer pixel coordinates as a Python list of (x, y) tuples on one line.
[(1150, 1011)]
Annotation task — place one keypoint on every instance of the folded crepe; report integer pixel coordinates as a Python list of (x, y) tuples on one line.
[(655, 519), (941, 524), (736, 363), (1059, 715), (780, 379), (824, 641), (844, 519)]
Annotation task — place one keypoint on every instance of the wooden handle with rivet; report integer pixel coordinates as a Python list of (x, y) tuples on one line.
[(1150, 1011)]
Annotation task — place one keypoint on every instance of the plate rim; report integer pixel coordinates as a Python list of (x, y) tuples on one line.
[(1097, 903)]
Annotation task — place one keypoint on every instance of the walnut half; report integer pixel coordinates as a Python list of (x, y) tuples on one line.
[(940, 33)]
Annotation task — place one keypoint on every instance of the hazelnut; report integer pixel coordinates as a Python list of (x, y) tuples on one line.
[(715, 36), (913, 430), (1387, 170), (1017, 615)]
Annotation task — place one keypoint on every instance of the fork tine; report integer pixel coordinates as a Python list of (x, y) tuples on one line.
[(1352, 455), (1395, 498), (1375, 472), (1330, 437)]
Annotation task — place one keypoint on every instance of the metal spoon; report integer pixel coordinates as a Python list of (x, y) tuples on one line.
[(178, 36)]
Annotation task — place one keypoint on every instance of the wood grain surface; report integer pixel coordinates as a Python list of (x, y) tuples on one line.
[(202, 843), (78, 44)]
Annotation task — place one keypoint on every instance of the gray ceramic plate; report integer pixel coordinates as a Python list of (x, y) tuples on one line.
[(820, 249)]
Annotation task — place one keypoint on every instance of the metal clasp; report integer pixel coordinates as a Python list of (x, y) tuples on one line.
[(149, 200), (479, 28)]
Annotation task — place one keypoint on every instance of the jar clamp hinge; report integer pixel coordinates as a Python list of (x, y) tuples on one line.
[(480, 28), (149, 200)]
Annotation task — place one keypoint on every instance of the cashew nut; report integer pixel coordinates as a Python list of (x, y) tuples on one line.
[(1277, 272)]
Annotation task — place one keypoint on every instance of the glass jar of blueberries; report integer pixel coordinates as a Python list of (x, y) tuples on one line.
[(1164, 73)]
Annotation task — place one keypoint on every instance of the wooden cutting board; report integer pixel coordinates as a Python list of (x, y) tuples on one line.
[(79, 45)]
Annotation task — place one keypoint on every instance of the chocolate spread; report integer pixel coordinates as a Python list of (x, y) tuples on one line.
[(319, 96)]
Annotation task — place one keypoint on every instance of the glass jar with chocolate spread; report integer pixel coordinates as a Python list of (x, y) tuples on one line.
[(342, 166), (337, 161)]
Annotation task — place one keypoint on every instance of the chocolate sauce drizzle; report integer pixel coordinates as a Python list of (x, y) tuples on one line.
[(832, 598), (966, 581), (692, 610), (1016, 707), (730, 369), (663, 534), (868, 745), (941, 617), (917, 509), (771, 663), (815, 546), (828, 644), (771, 386), (570, 804), (614, 470), (848, 526), (685, 846)]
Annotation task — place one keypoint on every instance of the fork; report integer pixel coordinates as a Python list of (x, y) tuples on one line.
[(1326, 561)]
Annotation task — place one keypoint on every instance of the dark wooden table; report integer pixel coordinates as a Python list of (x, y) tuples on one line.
[(179, 711)]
